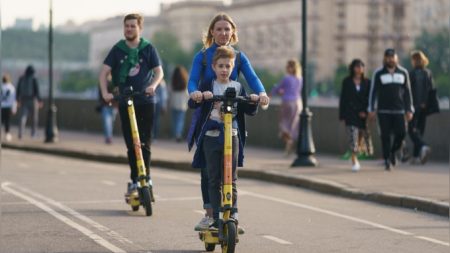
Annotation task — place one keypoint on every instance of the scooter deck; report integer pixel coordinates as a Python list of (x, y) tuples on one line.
[(133, 199), (209, 236)]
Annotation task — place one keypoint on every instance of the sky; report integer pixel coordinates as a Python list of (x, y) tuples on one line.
[(78, 11)]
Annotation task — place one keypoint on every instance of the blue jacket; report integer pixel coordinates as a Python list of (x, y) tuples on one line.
[(206, 73), (200, 117)]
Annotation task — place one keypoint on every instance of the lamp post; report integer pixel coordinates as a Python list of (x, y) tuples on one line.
[(305, 143), (51, 130)]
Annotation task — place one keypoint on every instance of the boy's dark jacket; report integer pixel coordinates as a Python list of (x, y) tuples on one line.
[(200, 116)]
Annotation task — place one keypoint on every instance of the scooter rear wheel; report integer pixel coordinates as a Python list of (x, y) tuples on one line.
[(210, 246), (135, 208), (146, 201), (229, 245)]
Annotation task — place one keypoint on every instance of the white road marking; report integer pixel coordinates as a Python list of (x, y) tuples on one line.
[(179, 199), (78, 215), (98, 239), (277, 240), (433, 240), (319, 210), (107, 182)]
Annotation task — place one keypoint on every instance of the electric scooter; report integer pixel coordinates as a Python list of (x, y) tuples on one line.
[(226, 235), (144, 194)]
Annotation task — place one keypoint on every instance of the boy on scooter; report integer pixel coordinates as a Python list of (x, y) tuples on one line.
[(210, 127)]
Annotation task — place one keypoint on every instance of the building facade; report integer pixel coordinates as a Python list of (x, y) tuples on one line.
[(270, 31)]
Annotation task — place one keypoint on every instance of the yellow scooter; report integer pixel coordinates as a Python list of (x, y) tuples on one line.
[(144, 194), (226, 235)]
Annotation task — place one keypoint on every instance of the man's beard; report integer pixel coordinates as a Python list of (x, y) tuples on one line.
[(390, 64), (130, 38)]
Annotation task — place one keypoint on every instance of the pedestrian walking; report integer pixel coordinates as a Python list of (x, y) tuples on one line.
[(178, 101), (222, 31), (290, 89), (421, 85), (161, 98), (8, 104), (28, 101), (134, 62), (390, 85), (353, 103), (108, 112)]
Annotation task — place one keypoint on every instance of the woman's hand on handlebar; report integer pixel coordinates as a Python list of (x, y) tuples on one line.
[(197, 96), (263, 98)]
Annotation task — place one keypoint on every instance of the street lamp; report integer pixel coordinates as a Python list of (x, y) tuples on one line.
[(51, 130), (305, 143)]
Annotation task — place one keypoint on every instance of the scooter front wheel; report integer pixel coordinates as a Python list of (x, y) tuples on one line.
[(229, 243), (146, 201)]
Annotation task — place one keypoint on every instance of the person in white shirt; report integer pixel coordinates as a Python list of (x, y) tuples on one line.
[(9, 105)]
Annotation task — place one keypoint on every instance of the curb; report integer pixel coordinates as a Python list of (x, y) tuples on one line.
[(319, 185)]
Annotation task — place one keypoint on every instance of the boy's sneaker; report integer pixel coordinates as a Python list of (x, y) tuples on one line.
[(424, 153), (204, 224)]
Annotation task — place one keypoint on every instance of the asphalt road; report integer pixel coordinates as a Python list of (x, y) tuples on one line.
[(54, 204)]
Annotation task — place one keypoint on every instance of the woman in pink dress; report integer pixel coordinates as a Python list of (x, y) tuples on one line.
[(290, 88)]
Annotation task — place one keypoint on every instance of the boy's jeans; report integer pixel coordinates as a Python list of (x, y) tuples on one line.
[(214, 165)]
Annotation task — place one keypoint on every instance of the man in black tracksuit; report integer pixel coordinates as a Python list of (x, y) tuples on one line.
[(391, 87)]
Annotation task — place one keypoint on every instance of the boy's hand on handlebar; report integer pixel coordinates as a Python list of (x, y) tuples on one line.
[(207, 95), (197, 96), (263, 98)]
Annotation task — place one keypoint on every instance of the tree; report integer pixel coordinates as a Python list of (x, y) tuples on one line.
[(437, 48), (78, 81)]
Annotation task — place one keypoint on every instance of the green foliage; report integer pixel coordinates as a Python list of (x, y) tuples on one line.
[(340, 73), (437, 48), (268, 78), (170, 50), (78, 81), (25, 44)]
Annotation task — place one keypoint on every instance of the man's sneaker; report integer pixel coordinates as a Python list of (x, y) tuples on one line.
[(424, 154), (204, 224), (393, 159), (131, 189), (387, 165), (414, 160), (356, 166)]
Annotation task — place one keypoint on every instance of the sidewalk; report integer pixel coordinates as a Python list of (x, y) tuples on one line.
[(424, 188)]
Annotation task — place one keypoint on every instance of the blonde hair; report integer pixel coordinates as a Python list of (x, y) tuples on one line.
[(224, 52), (419, 59), (295, 66), (208, 39)]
